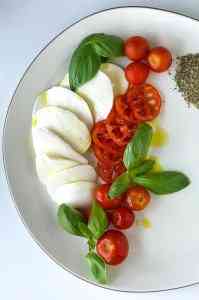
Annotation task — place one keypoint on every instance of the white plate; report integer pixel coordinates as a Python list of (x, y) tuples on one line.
[(165, 256)]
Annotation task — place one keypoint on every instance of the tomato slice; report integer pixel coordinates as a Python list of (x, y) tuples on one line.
[(145, 102), (119, 130), (107, 157), (101, 137), (110, 171), (123, 109)]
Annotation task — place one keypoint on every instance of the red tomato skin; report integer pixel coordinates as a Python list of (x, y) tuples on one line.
[(136, 48), (159, 59), (113, 247), (122, 218), (137, 198), (137, 73), (103, 199)]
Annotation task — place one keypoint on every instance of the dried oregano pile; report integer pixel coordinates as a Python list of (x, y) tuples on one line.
[(187, 77)]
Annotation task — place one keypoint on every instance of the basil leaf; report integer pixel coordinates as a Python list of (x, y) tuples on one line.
[(69, 219), (163, 182), (119, 186), (143, 168), (106, 45), (97, 267), (98, 221), (84, 65), (83, 228), (136, 151)]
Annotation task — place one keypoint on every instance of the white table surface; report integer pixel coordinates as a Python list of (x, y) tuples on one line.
[(25, 27)]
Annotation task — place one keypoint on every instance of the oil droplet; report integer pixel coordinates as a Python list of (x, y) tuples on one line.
[(146, 223), (157, 166), (160, 137), (34, 121), (43, 98)]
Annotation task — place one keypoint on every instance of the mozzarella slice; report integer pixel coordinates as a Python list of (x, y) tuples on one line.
[(77, 194), (117, 77), (67, 99), (47, 166), (78, 173), (47, 142), (66, 125), (98, 93)]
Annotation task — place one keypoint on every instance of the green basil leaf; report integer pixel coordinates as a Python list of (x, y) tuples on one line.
[(119, 186), (97, 267), (98, 221), (163, 182), (136, 151), (143, 168), (84, 65), (69, 219), (107, 45), (85, 231)]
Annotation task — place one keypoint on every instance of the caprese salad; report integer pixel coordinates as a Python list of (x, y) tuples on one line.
[(92, 135)]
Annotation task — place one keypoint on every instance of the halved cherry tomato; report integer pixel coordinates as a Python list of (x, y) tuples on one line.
[(113, 247), (122, 217), (101, 137), (136, 48), (159, 59), (137, 73), (145, 102), (137, 198), (119, 130), (102, 197)]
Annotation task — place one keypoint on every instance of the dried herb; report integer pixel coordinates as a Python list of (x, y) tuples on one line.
[(187, 77)]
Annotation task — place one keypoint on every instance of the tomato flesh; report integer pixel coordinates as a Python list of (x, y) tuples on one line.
[(101, 195), (136, 48), (122, 218), (113, 247), (137, 73), (137, 198), (159, 59), (145, 102)]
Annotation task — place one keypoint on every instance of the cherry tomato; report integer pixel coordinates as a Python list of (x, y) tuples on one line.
[(145, 102), (113, 247), (159, 59), (136, 48), (137, 198), (137, 73), (122, 217), (102, 197)]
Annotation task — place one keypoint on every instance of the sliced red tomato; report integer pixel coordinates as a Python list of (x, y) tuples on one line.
[(145, 102), (123, 109), (109, 171), (107, 157), (119, 130), (101, 137)]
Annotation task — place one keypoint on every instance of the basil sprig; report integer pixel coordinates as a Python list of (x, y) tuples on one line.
[(92, 51), (73, 222), (139, 169)]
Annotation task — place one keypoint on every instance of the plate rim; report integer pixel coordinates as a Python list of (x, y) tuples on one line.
[(3, 148)]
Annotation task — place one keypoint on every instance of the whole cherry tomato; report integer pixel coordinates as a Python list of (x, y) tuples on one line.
[(136, 48), (102, 197), (137, 73), (159, 59), (137, 198), (113, 247), (122, 217)]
